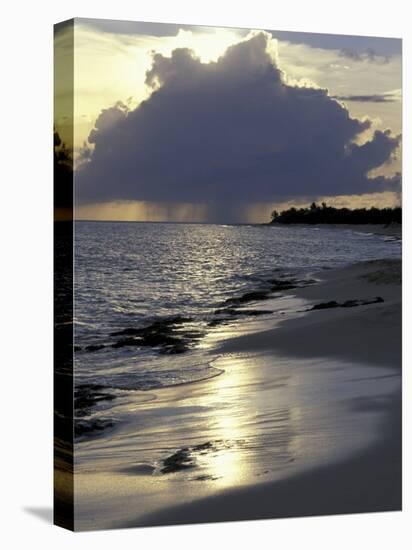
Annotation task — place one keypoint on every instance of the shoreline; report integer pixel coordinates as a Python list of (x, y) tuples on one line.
[(371, 479), (376, 278), (392, 230), (304, 419)]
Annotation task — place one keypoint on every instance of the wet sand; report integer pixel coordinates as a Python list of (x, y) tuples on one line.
[(371, 480), (303, 419)]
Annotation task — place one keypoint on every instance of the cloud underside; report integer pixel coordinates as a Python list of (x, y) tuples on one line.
[(230, 133)]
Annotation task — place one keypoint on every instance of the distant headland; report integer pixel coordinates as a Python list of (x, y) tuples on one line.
[(316, 214)]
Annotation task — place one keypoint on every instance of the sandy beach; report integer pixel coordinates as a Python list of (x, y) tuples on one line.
[(344, 332), (300, 419), (368, 481)]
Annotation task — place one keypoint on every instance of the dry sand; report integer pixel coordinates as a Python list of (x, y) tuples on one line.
[(368, 334)]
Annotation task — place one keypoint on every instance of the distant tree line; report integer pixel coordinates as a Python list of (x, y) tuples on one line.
[(315, 214)]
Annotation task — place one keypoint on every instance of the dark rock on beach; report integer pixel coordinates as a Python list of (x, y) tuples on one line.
[(247, 312), (88, 395), (206, 477), (283, 284), (279, 285), (276, 285), (90, 426), (165, 334), (180, 460), (229, 313), (347, 303), (159, 325), (350, 303), (324, 305), (186, 458), (354, 303), (218, 321), (94, 347), (230, 310), (203, 446), (248, 297)]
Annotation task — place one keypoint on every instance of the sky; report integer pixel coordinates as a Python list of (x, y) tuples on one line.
[(204, 124)]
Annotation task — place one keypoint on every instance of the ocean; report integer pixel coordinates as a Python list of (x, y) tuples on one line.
[(163, 416), (129, 276)]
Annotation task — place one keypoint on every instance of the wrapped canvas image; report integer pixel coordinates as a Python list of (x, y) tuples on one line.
[(227, 239)]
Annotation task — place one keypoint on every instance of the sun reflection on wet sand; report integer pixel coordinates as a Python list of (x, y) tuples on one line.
[(262, 419), (228, 424)]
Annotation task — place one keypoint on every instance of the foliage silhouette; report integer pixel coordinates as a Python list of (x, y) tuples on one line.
[(315, 214)]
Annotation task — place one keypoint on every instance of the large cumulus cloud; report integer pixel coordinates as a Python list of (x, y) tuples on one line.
[(231, 132)]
